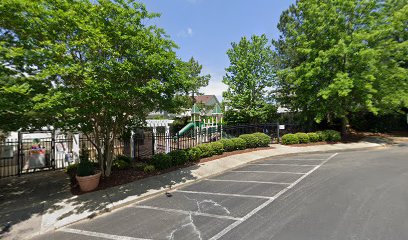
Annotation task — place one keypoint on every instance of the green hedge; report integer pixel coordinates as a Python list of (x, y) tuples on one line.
[(178, 157), (239, 143), (228, 145), (161, 161), (194, 154), (313, 137), (263, 139), (290, 138), (303, 137), (327, 135)]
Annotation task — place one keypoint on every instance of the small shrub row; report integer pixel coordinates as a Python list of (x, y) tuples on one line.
[(179, 157), (327, 135)]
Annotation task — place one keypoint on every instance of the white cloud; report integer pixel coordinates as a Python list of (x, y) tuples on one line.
[(190, 31), (185, 33)]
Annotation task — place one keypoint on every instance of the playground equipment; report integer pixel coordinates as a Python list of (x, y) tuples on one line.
[(203, 127)]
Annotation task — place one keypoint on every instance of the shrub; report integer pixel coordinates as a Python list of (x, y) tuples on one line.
[(120, 164), (228, 145), (161, 161), (206, 150), (263, 139), (313, 137), (250, 140), (178, 157), (149, 169), (85, 168), (194, 154), (322, 135), (217, 148), (239, 143), (124, 158), (71, 170), (303, 137), (139, 166), (289, 138), (332, 135)]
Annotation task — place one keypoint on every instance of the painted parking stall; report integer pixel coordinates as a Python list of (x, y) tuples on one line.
[(208, 209)]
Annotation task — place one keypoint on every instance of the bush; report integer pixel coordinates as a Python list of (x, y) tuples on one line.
[(161, 161), (178, 157), (263, 139), (139, 166), (124, 158), (120, 164), (71, 170), (217, 148), (228, 145), (251, 140), (149, 169), (194, 154), (239, 143), (289, 138), (303, 137), (313, 137), (85, 168), (322, 136), (206, 150), (332, 135)]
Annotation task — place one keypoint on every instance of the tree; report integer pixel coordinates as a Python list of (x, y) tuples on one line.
[(89, 66), (334, 59), (248, 78), (194, 78)]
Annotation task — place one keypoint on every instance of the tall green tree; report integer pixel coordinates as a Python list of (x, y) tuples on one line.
[(248, 78), (195, 79), (341, 57), (89, 66)]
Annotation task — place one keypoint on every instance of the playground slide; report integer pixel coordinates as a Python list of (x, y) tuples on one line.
[(186, 128)]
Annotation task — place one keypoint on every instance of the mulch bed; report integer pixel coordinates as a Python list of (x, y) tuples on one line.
[(120, 177)]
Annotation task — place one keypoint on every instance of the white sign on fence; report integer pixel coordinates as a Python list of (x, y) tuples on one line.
[(281, 127)]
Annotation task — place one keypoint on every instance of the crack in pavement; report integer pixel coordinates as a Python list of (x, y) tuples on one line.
[(212, 203), (189, 224)]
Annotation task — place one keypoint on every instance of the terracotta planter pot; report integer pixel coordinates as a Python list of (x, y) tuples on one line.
[(88, 183)]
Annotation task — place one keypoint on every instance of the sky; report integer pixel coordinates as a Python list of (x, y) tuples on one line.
[(205, 29)]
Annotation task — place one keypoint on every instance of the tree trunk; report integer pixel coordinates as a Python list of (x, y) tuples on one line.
[(344, 125)]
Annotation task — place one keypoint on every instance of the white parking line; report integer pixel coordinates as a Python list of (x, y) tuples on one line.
[(296, 159), (99, 235), (267, 172), (227, 180), (187, 212), (283, 164), (225, 194), (253, 212)]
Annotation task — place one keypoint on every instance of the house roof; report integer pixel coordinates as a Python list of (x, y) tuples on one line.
[(205, 99)]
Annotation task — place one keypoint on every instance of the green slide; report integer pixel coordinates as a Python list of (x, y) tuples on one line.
[(186, 128)]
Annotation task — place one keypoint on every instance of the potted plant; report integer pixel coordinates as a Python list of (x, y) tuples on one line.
[(87, 176)]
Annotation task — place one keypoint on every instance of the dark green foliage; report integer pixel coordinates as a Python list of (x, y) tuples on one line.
[(161, 161), (332, 135), (313, 137), (228, 145), (71, 170), (321, 135), (178, 157), (289, 138), (250, 140), (303, 137), (217, 148), (194, 154), (139, 166), (239, 143), (120, 164), (124, 158), (263, 139), (149, 169), (85, 168)]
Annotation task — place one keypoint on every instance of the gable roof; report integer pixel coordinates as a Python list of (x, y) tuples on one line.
[(205, 99)]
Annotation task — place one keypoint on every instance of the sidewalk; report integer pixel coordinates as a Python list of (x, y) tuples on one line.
[(33, 204)]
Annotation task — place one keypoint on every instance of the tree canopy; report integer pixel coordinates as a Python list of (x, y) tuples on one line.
[(89, 66), (249, 78), (343, 56)]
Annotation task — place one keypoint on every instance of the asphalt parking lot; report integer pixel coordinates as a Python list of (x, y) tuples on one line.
[(350, 195)]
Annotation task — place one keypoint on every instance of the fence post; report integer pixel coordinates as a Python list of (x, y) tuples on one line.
[(277, 131), (53, 150), (178, 141), (153, 142), (19, 156)]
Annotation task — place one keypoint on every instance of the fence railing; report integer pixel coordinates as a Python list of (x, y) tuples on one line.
[(22, 155)]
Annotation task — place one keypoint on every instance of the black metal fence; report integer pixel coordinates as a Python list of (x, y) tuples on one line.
[(26, 155)]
